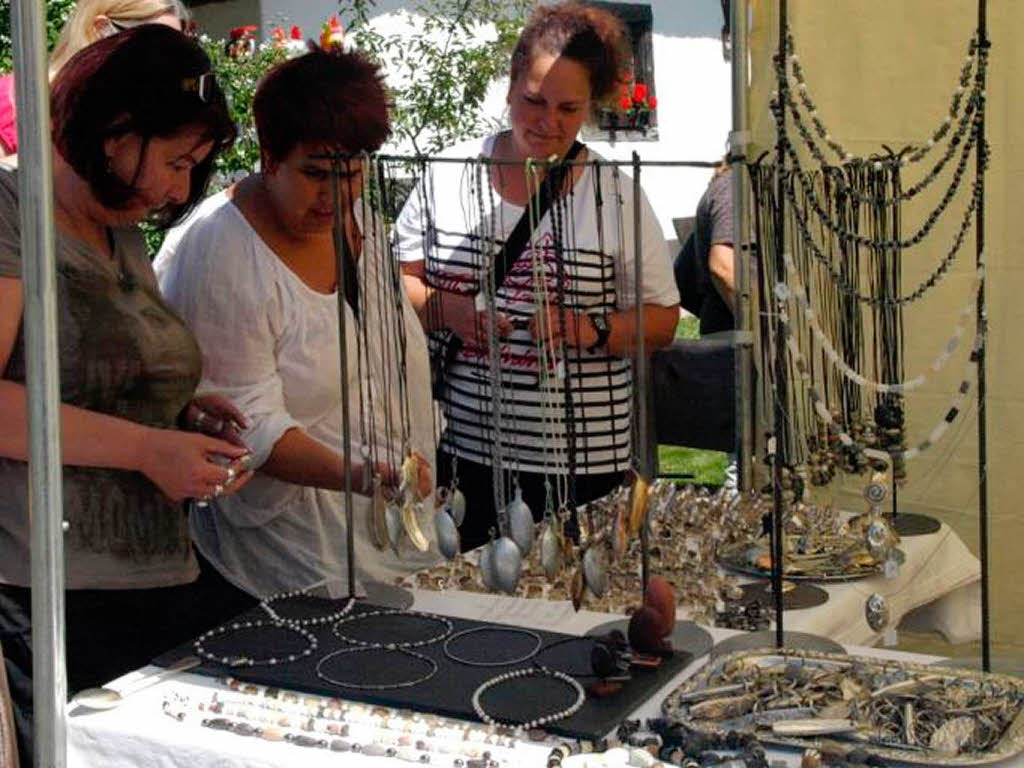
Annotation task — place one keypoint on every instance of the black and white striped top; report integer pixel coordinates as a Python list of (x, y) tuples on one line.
[(591, 233)]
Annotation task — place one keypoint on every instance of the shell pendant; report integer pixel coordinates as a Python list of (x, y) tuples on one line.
[(595, 572), (551, 555), (506, 564), (458, 505), (520, 523), (447, 532)]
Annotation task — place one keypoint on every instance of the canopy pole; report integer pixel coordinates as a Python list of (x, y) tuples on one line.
[(35, 193)]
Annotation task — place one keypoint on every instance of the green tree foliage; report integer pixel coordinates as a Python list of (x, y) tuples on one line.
[(57, 12), (238, 76), (441, 70)]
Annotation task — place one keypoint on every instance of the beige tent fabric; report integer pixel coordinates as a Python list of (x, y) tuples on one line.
[(884, 73), (8, 738)]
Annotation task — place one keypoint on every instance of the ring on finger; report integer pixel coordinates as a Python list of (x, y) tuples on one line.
[(231, 476), (218, 490)]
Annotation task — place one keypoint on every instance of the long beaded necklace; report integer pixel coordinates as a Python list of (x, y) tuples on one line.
[(975, 55), (796, 294)]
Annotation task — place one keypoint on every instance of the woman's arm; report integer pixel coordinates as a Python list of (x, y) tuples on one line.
[(439, 309), (177, 462), (580, 331)]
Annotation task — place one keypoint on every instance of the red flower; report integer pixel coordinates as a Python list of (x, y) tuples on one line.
[(296, 32), (248, 30), (639, 93), (625, 102), (652, 102)]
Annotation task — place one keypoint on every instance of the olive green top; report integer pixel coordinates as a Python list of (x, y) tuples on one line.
[(125, 353)]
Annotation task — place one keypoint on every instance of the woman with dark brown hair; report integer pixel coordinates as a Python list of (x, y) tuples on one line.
[(254, 274), (566, 64), (137, 121)]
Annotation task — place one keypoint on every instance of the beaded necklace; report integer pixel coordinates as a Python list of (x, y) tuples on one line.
[(798, 295), (246, 661), (537, 671), (974, 56)]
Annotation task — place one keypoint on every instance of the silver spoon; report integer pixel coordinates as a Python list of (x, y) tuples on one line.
[(108, 698)]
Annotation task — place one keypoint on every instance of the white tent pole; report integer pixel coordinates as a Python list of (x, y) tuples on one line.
[(35, 193), (739, 141)]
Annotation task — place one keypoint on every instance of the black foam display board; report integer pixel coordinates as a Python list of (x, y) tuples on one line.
[(449, 691)]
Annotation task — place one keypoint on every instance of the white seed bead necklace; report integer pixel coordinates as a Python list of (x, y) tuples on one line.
[(538, 722), (447, 630), (245, 661), (328, 618)]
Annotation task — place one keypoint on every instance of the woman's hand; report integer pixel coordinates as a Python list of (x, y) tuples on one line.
[(391, 477), (575, 327), (216, 416), (460, 314), (181, 464)]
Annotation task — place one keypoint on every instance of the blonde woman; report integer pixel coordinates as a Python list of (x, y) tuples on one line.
[(91, 20)]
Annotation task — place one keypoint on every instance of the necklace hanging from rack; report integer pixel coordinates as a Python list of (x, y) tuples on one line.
[(502, 558)]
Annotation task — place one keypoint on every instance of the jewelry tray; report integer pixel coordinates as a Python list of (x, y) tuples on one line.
[(734, 558), (744, 665), (450, 690)]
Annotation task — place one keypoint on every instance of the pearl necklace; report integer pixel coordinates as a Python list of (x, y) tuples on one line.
[(245, 661), (366, 644), (266, 605), (376, 686), (538, 671)]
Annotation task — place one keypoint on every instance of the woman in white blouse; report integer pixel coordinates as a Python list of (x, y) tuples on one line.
[(253, 273)]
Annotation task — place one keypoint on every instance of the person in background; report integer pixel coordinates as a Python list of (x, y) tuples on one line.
[(714, 256), (137, 122), (565, 65), (91, 20), (713, 250), (254, 275)]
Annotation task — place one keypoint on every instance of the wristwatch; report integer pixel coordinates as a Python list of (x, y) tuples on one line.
[(600, 321)]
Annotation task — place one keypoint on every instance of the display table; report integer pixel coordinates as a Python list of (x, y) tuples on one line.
[(138, 733)]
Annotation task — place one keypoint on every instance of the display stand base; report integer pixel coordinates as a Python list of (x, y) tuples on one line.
[(387, 596), (800, 641), (913, 524), (799, 596), (686, 636)]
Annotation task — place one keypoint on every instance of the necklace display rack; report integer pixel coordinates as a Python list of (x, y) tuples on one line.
[(582, 566), (830, 276)]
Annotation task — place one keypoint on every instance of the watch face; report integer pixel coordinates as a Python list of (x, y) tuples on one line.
[(600, 322)]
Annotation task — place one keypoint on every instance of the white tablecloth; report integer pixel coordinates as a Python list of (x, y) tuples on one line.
[(138, 734)]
